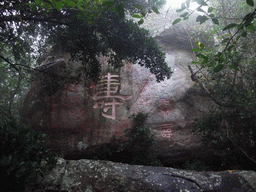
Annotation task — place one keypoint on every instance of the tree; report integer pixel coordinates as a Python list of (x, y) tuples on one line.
[(12, 91), (85, 29), (226, 72), (98, 21)]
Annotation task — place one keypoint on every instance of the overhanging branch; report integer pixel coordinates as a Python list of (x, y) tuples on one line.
[(26, 18), (241, 27), (195, 78), (10, 63)]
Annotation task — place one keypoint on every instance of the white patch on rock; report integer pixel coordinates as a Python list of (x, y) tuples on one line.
[(81, 145)]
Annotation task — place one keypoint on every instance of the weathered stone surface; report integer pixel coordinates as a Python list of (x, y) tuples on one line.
[(79, 117), (104, 176)]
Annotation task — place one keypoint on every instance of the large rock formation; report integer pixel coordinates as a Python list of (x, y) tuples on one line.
[(78, 116), (93, 176)]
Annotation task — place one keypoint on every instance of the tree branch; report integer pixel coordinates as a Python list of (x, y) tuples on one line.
[(195, 78), (72, 78), (14, 93), (2, 111), (11, 64), (232, 37), (244, 152), (26, 18)]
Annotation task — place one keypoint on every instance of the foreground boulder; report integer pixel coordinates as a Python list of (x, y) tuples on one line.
[(104, 176)]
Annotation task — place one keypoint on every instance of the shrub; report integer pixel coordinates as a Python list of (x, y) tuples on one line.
[(197, 165), (142, 141), (112, 151), (231, 134), (136, 151), (23, 156)]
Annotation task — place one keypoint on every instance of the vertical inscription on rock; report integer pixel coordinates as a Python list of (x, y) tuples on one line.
[(166, 130)]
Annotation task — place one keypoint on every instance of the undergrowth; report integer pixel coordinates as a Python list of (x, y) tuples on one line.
[(23, 156), (231, 135), (137, 151)]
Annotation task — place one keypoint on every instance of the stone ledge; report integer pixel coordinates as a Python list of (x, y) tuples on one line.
[(93, 176)]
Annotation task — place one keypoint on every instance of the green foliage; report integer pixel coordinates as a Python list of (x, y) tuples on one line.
[(231, 135), (23, 156), (93, 8), (226, 70), (250, 2), (112, 152), (229, 26), (200, 18), (138, 150), (196, 165), (85, 28), (13, 88), (138, 121), (113, 32), (142, 141), (176, 21), (227, 73), (238, 26)]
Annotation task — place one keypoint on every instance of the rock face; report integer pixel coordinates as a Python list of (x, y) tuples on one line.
[(78, 115), (93, 176)]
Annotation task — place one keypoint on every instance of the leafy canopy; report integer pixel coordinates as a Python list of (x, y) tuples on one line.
[(89, 27)]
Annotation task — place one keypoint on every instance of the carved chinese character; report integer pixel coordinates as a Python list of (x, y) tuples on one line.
[(164, 104), (166, 130), (106, 96)]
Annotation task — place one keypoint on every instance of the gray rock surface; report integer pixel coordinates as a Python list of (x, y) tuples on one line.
[(105, 176)]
